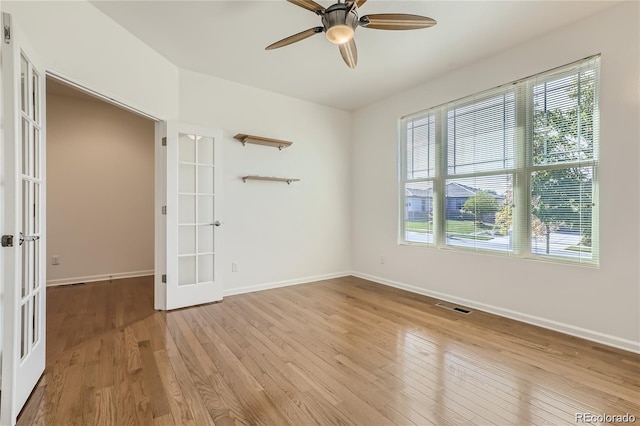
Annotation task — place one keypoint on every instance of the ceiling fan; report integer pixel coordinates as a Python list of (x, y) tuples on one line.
[(340, 20)]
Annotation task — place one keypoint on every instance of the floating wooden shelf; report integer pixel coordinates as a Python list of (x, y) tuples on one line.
[(259, 140), (271, 178)]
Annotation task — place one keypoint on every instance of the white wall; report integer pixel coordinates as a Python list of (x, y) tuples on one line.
[(277, 233), (100, 191), (601, 304), (77, 41)]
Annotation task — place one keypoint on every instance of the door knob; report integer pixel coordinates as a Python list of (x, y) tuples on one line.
[(217, 223)]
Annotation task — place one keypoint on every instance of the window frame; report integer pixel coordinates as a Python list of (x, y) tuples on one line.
[(521, 172)]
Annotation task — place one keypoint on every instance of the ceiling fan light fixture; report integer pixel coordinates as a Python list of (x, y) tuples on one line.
[(340, 34)]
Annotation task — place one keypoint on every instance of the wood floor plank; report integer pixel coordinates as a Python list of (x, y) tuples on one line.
[(202, 370), (197, 407), (152, 391), (180, 412), (105, 414), (344, 351)]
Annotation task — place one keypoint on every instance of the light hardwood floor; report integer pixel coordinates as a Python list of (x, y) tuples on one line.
[(338, 352)]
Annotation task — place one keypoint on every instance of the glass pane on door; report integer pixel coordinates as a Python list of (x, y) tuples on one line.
[(24, 225), (25, 270), (205, 180), (24, 327), (186, 239), (36, 209), (205, 239), (186, 209), (36, 319), (186, 270), (36, 153), (36, 266), (186, 179), (205, 209), (205, 268), (31, 209), (33, 254), (24, 230), (25, 146), (186, 148), (205, 150), (35, 97), (24, 84)]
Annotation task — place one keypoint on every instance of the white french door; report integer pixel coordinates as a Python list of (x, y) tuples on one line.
[(23, 223), (193, 212)]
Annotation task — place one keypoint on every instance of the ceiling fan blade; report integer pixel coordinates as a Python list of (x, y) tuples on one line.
[(296, 37), (349, 53), (308, 4), (357, 3), (396, 21)]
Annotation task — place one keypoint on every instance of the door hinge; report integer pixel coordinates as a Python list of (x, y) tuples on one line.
[(164, 141), (6, 28), (164, 209), (7, 241), (164, 278)]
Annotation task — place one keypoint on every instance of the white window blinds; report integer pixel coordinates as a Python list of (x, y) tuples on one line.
[(564, 161)]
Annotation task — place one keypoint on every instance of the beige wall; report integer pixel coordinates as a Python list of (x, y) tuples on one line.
[(100, 177)]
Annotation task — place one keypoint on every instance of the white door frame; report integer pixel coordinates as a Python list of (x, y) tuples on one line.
[(159, 180), (160, 254)]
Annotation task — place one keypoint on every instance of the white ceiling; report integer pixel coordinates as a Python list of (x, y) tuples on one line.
[(226, 39)]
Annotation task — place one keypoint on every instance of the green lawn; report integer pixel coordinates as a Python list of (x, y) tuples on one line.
[(419, 226), (582, 249), (457, 228), (471, 237)]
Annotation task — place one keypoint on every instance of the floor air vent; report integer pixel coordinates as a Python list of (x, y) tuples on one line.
[(455, 308)]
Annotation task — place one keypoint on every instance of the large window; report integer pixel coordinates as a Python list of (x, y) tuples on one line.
[(512, 170)]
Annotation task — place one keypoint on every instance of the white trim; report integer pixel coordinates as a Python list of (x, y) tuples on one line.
[(160, 231), (286, 283), (103, 277), (85, 89), (594, 336)]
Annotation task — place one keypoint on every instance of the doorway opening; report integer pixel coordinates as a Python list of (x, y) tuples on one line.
[(100, 165)]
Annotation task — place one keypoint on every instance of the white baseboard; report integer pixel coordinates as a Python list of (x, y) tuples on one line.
[(594, 336), (278, 284), (94, 278)]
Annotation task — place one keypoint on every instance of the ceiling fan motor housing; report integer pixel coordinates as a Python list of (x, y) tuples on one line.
[(337, 17)]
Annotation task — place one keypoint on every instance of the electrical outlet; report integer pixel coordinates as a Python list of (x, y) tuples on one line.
[(55, 259), (234, 266)]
